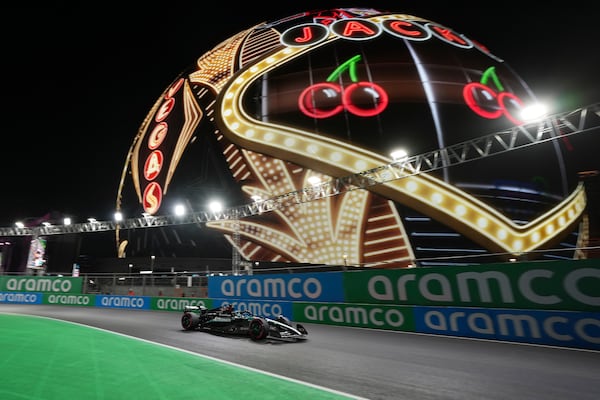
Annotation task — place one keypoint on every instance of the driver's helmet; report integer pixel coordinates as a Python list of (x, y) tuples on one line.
[(330, 94), (227, 308)]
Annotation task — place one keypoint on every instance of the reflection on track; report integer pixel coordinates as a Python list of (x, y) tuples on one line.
[(373, 364)]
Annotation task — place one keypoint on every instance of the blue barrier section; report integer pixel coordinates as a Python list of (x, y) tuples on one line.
[(21, 297), (557, 328), (270, 309), (131, 302), (324, 286)]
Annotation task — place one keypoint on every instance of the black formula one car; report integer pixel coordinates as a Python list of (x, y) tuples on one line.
[(227, 320)]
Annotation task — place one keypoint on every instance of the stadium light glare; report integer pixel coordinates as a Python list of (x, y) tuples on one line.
[(179, 210)]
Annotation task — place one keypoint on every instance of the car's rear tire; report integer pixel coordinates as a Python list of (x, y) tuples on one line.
[(190, 321), (258, 329)]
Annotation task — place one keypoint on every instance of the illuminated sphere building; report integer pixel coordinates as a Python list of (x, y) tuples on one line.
[(332, 93)]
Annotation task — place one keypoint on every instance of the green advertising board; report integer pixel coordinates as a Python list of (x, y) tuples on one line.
[(573, 285), (85, 300), (376, 316), (178, 303), (43, 284)]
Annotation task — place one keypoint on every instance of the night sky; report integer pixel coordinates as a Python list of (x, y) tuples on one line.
[(79, 80)]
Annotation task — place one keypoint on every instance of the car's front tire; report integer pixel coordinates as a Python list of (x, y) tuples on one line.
[(258, 329)]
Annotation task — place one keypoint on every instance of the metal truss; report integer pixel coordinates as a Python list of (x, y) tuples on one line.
[(582, 120)]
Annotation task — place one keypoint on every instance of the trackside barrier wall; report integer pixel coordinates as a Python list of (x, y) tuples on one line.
[(551, 303)]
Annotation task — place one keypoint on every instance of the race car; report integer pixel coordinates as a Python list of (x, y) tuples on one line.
[(227, 320)]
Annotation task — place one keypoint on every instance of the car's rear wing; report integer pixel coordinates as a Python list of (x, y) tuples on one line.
[(193, 308)]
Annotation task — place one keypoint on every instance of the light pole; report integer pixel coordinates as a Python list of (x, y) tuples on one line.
[(152, 271), (130, 279)]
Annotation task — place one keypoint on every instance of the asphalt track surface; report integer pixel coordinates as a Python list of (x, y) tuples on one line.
[(378, 365)]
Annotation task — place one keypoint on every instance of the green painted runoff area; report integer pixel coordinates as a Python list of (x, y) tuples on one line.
[(48, 359)]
